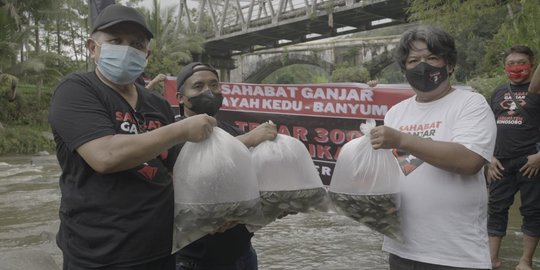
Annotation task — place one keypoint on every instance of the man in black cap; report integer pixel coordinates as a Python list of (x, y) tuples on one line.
[(198, 92), (117, 144)]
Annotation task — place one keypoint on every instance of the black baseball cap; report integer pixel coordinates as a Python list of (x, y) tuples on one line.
[(188, 70), (115, 14)]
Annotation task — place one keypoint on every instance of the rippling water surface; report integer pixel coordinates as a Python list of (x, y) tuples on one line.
[(29, 199)]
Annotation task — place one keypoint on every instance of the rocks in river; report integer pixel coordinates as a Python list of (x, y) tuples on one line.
[(44, 159), (378, 212)]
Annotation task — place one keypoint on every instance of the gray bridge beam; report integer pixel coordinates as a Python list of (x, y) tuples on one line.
[(263, 24)]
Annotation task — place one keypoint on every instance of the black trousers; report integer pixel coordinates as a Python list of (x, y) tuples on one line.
[(501, 197)]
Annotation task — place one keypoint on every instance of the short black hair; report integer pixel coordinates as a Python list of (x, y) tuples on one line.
[(519, 49), (438, 42)]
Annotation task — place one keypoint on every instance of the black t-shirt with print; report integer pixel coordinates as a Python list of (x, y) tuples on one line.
[(122, 218), (517, 134), (220, 248)]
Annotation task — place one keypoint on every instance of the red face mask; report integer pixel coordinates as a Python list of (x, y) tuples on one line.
[(517, 72)]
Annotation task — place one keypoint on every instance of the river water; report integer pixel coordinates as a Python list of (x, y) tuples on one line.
[(29, 199)]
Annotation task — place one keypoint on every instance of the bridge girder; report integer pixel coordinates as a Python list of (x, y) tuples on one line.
[(242, 26)]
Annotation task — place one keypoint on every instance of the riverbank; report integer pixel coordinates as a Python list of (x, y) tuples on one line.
[(21, 140), (24, 128)]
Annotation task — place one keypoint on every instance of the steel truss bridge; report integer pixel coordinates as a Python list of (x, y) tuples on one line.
[(241, 26)]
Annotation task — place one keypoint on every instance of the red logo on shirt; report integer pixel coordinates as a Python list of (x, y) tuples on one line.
[(148, 171), (407, 162)]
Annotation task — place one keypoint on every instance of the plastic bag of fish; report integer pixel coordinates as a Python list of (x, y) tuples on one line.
[(214, 183), (365, 185), (288, 179)]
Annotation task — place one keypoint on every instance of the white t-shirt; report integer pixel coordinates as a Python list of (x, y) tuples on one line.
[(444, 214)]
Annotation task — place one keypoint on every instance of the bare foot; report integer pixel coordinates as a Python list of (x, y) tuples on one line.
[(496, 264), (524, 265)]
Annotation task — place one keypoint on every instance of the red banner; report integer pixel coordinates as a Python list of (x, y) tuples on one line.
[(323, 116)]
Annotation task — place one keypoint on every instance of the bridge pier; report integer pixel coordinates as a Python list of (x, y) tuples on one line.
[(221, 63), (327, 54), (225, 75)]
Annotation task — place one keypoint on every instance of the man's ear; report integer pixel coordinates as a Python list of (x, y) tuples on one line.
[(179, 98), (450, 70), (91, 46)]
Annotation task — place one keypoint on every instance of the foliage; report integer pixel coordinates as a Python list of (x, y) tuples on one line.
[(482, 30), (350, 74), (8, 86), (25, 127), (297, 73), (522, 27), (24, 140), (171, 47), (472, 23), (48, 67), (391, 74), (26, 109), (486, 85)]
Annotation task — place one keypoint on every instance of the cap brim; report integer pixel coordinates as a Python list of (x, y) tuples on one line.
[(148, 33)]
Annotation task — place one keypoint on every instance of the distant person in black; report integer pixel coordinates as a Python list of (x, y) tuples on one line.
[(198, 92), (516, 160), (116, 144)]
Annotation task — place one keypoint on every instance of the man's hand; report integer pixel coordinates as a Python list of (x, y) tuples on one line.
[(383, 137), (159, 78), (494, 170), (198, 127), (263, 132), (530, 169)]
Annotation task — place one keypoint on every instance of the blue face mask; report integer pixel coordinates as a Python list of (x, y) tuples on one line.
[(121, 64)]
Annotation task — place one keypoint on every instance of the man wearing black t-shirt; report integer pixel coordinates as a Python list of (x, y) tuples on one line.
[(116, 144), (516, 160), (229, 248)]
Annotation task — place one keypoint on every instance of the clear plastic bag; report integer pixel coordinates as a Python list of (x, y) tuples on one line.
[(288, 180), (365, 184), (214, 182)]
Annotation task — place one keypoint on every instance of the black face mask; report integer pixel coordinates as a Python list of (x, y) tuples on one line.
[(425, 77), (206, 102)]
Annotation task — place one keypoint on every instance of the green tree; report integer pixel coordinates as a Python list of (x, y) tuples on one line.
[(298, 73), (171, 47), (350, 74), (10, 34), (472, 23), (482, 29), (522, 26)]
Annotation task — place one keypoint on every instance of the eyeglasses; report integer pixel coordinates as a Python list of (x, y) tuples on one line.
[(140, 121)]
